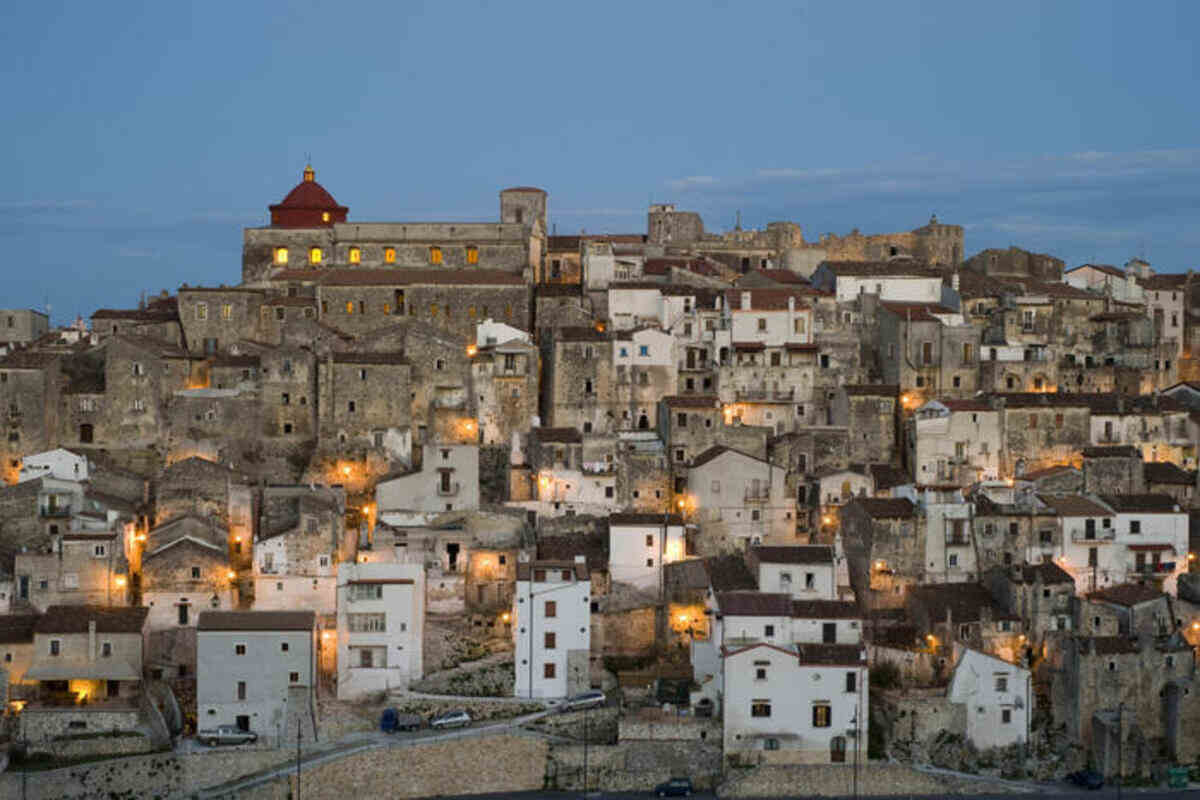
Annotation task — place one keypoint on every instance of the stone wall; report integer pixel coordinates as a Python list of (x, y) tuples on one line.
[(834, 780), (43, 726), (68, 747), (158, 775), (634, 766), (464, 766)]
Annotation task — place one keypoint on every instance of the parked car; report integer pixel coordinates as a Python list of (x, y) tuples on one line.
[(226, 734), (586, 700), (451, 719), (393, 721), (676, 787), (1087, 779)]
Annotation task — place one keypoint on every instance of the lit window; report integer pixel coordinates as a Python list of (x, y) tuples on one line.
[(281, 255), (355, 255), (433, 309), (389, 255), (324, 216), (202, 311), (315, 255), (435, 255), (349, 306), (226, 311), (472, 255)]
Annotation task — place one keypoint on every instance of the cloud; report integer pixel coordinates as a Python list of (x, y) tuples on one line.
[(692, 180)]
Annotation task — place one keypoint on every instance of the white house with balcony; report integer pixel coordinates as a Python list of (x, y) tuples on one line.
[(743, 498), (998, 698), (1151, 541), (551, 624), (448, 480), (380, 627), (806, 572), (640, 544), (1088, 529), (954, 441), (797, 703)]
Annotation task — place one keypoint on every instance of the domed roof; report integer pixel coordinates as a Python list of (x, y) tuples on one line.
[(307, 205)]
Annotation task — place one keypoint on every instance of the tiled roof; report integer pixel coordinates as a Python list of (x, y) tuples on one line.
[(729, 573), (1115, 451), (1105, 268), (526, 568), (1126, 594), (1063, 291), (17, 628), (1169, 282), (844, 655), (592, 546), (580, 333), (886, 476), (885, 507), (873, 389), (1047, 571), (1048, 472), (710, 401), (715, 452), (825, 609), (1116, 316), (754, 604), (370, 358), (962, 600), (780, 276), (965, 405), (899, 266), (558, 435), (917, 312), (1074, 505), (75, 619), (1110, 645), (796, 554), (256, 621), (1145, 503), (631, 518), (1166, 472)]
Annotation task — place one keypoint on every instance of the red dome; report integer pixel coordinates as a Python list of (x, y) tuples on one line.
[(308, 206)]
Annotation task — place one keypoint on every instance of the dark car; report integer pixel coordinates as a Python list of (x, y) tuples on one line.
[(676, 787), (1087, 779)]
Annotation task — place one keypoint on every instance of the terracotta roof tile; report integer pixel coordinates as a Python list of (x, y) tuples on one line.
[(825, 609), (754, 604), (256, 621), (795, 554), (885, 507), (75, 619), (1126, 594)]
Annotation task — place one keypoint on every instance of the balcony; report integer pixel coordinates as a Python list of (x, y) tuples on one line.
[(760, 496), (957, 541), (1094, 537), (779, 395), (54, 512), (447, 489), (1161, 569)]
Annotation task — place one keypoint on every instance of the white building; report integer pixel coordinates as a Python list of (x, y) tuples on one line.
[(949, 535), (954, 440), (552, 628), (746, 617), (998, 699), (771, 317), (1088, 528), (256, 670), (837, 487), (743, 498), (489, 332), (380, 627), (1151, 542), (802, 703), (448, 480), (898, 281), (287, 576), (640, 544), (1105, 279), (61, 464), (805, 572)]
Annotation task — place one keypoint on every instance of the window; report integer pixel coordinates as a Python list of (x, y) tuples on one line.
[(472, 255), (851, 682), (293, 677), (926, 352), (551, 640), (351, 407), (349, 306), (435, 255), (968, 353), (285, 399), (99, 551), (389, 255), (551, 609), (760, 708), (315, 255), (1135, 526), (281, 255), (201, 311), (433, 309), (762, 323), (55, 647), (548, 670), (195, 573), (769, 631), (226, 311), (1006, 715), (1001, 683), (283, 647), (821, 716), (1033, 422), (643, 350), (355, 255), (367, 623), (239, 649), (106, 650), (366, 591), (241, 690)]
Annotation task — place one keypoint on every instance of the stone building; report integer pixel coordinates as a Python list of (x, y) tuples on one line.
[(929, 350), (365, 403), (949, 615), (504, 378), (739, 500), (214, 317), (207, 489), (1041, 429), (309, 228), (1015, 263), (156, 318), (22, 325), (301, 538), (81, 568), (954, 442), (1040, 594), (884, 552), (29, 400), (1115, 469), (869, 412)]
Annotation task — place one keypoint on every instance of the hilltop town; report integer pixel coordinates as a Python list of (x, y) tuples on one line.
[(784, 501)]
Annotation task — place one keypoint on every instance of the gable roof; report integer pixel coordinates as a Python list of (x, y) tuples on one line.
[(1142, 503), (256, 621), (825, 609), (885, 507), (1074, 505), (1168, 473), (729, 573), (886, 476), (637, 518), (75, 619), (1047, 572), (963, 600), (754, 604), (794, 554), (1126, 594), (716, 451)]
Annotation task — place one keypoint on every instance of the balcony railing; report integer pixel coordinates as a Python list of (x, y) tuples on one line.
[(54, 513), (956, 541), (1161, 568), (752, 496), (1100, 536)]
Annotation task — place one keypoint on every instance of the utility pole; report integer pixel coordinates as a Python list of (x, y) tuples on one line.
[(299, 736), (1120, 750)]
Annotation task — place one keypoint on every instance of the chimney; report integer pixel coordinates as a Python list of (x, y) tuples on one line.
[(791, 303), (91, 640), (745, 301)]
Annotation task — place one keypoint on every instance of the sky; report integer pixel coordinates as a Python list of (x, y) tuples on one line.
[(140, 138)]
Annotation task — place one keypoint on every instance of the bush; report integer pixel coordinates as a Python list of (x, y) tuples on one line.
[(885, 675)]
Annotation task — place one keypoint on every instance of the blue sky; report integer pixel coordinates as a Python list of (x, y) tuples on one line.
[(141, 137)]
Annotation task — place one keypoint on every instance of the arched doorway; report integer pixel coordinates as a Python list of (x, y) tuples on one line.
[(643, 422)]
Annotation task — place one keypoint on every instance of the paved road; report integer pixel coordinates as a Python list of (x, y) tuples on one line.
[(361, 741), (1068, 793)]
